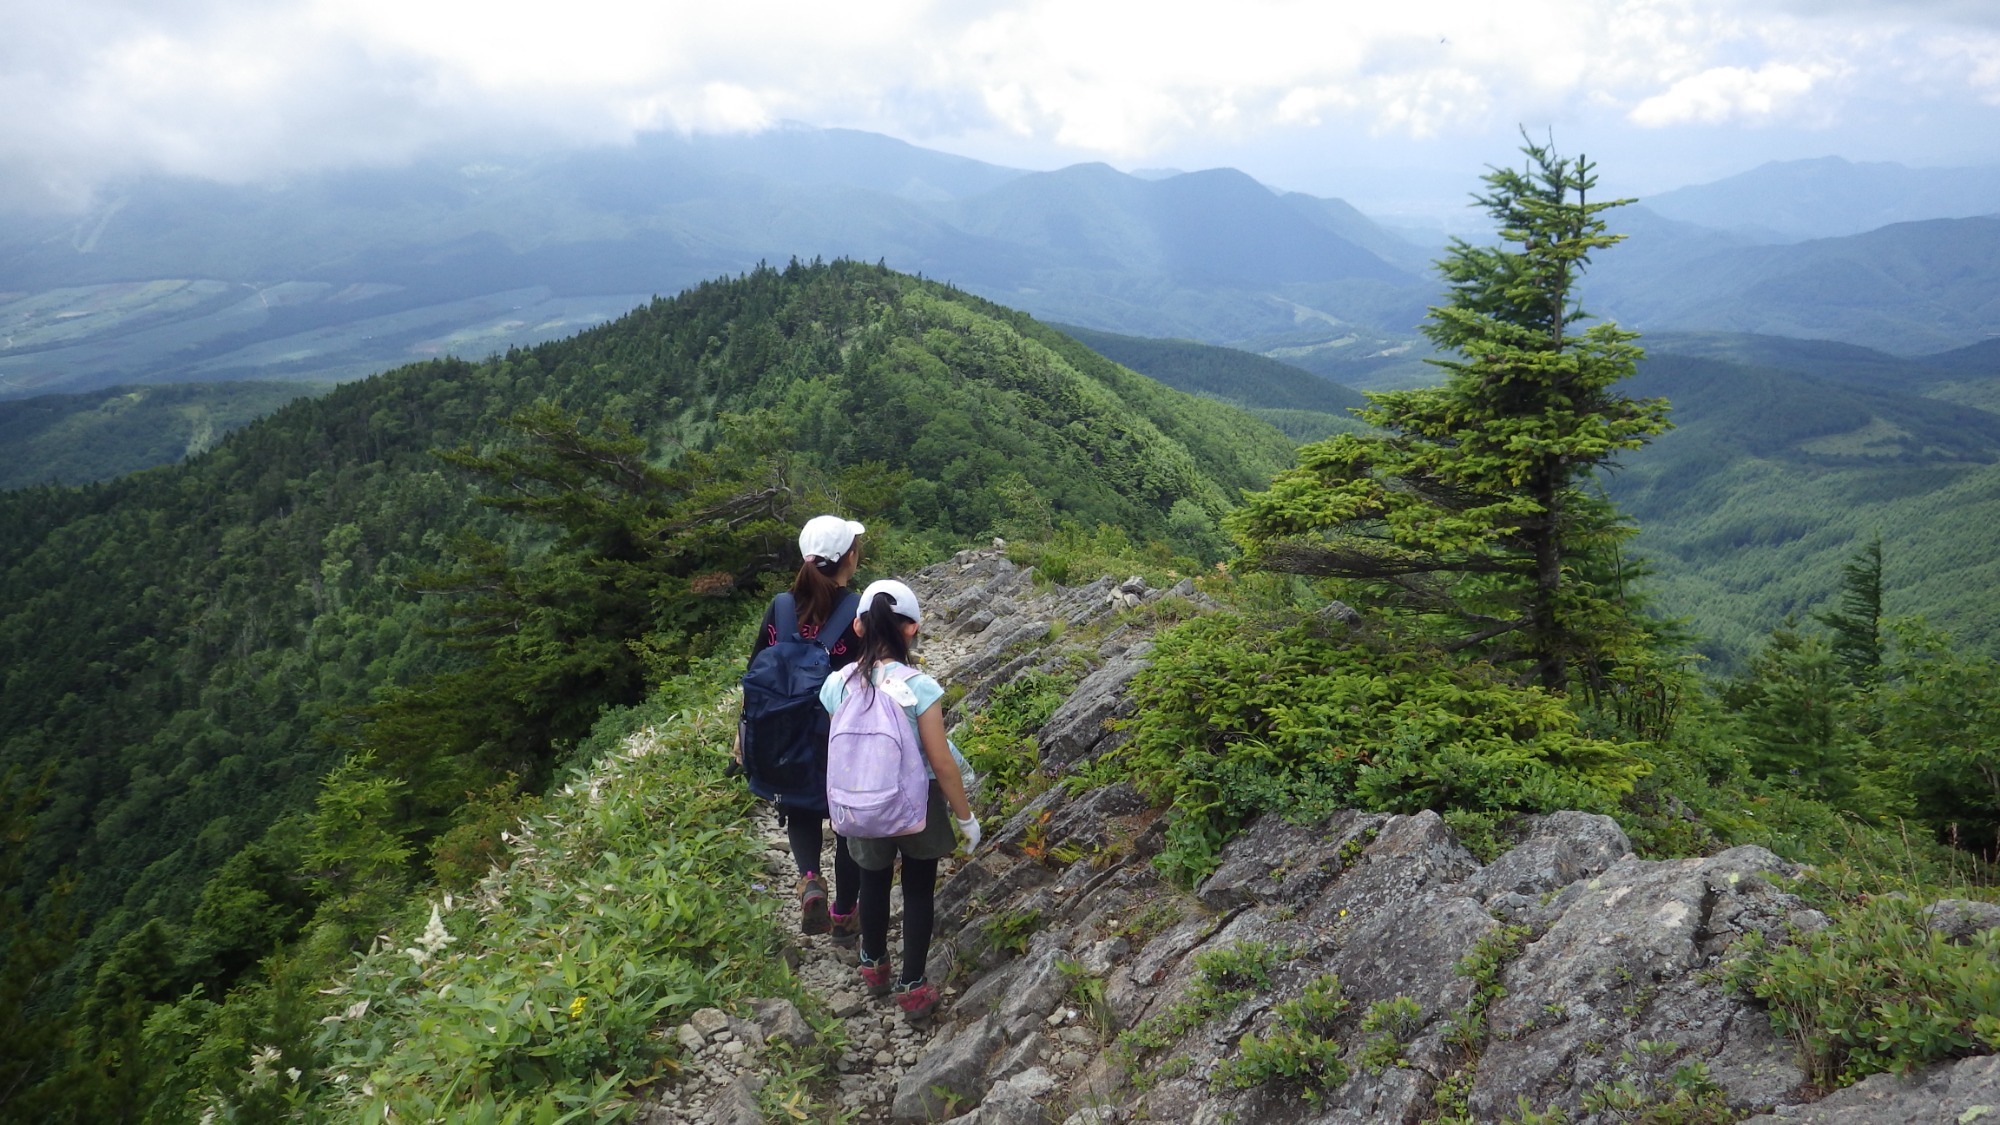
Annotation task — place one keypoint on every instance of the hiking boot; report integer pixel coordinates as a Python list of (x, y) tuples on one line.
[(876, 977), (918, 1001), (843, 928), (812, 904)]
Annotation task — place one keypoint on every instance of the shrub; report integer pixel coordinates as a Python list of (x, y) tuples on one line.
[(1877, 990), (1223, 978), (1300, 1050), (1000, 740), (1233, 719)]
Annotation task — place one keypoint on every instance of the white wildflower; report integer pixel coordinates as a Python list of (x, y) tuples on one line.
[(435, 937), (292, 1073)]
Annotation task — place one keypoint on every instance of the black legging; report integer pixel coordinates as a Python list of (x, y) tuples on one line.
[(803, 829), (919, 913)]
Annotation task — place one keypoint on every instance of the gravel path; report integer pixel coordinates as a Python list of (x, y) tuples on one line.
[(881, 1044), (721, 1052)]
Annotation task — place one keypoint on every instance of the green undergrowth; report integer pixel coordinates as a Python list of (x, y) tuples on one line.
[(1000, 740), (1299, 1052), (1223, 978), (1235, 718), (1879, 989), (1651, 1091), (1070, 555), (542, 994)]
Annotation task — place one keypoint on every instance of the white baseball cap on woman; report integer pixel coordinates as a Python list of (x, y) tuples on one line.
[(828, 537)]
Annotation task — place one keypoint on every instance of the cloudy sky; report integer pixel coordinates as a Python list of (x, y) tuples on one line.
[(1391, 104)]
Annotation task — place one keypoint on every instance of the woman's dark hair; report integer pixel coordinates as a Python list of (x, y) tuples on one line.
[(884, 640), (815, 591)]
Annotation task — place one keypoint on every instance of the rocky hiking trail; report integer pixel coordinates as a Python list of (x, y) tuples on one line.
[(723, 1050), (1593, 966)]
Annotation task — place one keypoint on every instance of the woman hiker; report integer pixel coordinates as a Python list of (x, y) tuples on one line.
[(793, 772)]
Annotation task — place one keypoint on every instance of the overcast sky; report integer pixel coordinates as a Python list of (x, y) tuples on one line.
[(1394, 104)]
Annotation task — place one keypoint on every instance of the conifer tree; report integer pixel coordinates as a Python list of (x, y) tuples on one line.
[(1857, 623), (1474, 502)]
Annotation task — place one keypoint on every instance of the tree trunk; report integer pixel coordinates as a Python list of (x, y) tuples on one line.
[(1548, 646)]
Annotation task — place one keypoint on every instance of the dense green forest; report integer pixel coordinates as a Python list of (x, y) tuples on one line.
[(189, 651), (76, 439), (1305, 406), (1773, 476)]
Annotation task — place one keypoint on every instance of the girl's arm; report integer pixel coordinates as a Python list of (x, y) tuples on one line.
[(930, 729)]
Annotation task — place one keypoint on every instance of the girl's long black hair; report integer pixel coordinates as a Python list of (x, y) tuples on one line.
[(815, 592), (884, 640)]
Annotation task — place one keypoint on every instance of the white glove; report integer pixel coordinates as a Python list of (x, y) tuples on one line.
[(969, 828)]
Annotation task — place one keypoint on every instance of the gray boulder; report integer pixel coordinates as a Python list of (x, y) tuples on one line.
[(782, 1021), (951, 1075), (1959, 1093), (1560, 848), (1619, 967), (1276, 861), (1959, 919), (1076, 732)]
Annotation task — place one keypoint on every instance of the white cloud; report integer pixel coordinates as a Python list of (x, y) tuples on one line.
[(1728, 93), (248, 88)]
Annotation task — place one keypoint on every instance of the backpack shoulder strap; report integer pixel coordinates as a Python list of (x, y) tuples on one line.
[(787, 622), (838, 622)]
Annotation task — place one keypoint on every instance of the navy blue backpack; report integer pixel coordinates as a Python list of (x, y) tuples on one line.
[(784, 727)]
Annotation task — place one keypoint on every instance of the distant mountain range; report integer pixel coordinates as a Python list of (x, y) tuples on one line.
[(337, 275), (333, 276), (1909, 288), (1795, 200)]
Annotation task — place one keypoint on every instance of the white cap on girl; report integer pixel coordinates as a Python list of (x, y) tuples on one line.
[(828, 537), (903, 599)]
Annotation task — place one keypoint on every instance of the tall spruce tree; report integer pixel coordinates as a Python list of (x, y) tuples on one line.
[(1475, 503), (1857, 623)]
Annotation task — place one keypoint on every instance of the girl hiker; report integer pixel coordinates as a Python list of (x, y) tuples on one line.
[(781, 740), (888, 625)]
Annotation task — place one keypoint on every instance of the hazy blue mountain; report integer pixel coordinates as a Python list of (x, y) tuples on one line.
[(1303, 405), (1849, 364), (336, 275), (1229, 374), (1969, 376), (1793, 200), (1982, 358), (1340, 217), (1909, 289), (1212, 255)]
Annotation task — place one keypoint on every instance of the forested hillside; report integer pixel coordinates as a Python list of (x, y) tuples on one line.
[(187, 652), (1789, 455), (75, 439), (1296, 401)]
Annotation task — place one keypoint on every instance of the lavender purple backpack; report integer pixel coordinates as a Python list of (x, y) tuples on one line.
[(876, 786)]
